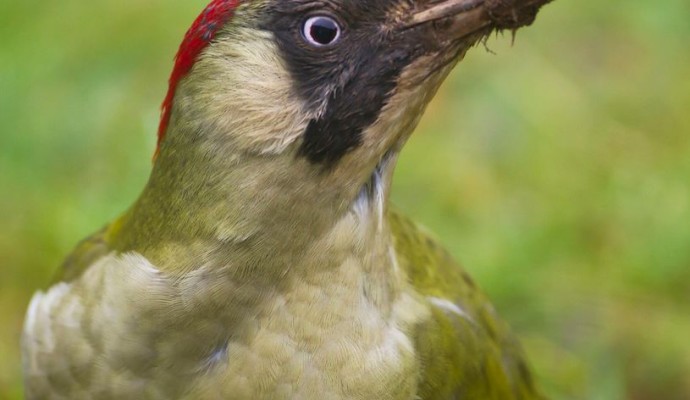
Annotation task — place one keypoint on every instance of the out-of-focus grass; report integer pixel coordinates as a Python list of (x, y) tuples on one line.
[(557, 170)]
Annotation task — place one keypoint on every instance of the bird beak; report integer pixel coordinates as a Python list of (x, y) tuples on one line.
[(458, 19)]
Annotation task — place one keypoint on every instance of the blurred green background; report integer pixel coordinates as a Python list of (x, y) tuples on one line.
[(557, 170)]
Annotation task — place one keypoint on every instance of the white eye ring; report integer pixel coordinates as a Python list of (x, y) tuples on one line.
[(321, 30)]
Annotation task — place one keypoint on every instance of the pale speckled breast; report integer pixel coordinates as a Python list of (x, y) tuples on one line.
[(320, 342), (144, 336)]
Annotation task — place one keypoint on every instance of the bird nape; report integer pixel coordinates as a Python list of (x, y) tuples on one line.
[(262, 259)]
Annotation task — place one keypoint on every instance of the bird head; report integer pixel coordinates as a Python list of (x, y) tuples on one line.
[(295, 110)]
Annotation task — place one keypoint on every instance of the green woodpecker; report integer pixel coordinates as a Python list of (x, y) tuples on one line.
[(262, 260)]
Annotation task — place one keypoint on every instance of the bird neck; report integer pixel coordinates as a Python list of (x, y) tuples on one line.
[(261, 220)]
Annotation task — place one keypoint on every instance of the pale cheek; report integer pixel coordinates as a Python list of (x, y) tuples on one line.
[(243, 91)]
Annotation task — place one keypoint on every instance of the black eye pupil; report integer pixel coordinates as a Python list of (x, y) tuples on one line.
[(321, 30)]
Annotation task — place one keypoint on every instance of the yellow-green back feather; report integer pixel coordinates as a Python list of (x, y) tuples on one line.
[(466, 350)]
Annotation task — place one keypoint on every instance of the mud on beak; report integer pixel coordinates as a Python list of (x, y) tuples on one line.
[(458, 19)]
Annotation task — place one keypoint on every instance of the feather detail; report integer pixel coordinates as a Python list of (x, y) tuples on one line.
[(201, 33)]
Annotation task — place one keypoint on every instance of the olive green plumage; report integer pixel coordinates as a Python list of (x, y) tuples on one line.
[(476, 356)]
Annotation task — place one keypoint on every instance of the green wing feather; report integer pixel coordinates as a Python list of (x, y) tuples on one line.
[(469, 353), (86, 253)]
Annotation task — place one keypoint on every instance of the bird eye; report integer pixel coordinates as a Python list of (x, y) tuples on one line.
[(321, 31)]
